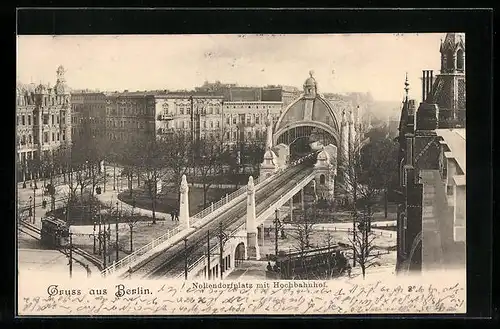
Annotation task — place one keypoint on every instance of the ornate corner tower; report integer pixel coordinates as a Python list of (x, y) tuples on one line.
[(449, 89)]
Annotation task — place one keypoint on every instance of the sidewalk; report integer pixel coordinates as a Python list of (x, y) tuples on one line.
[(112, 196), (38, 261)]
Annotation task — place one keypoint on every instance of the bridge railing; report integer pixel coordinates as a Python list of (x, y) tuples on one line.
[(201, 259), (131, 258), (229, 197)]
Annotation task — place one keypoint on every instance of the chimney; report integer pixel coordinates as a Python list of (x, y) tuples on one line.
[(427, 81), (424, 93)]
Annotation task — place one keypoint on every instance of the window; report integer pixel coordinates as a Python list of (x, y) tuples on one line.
[(58, 137), (45, 137), (23, 139), (53, 121), (53, 137), (18, 120), (234, 120), (22, 119), (29, 120), (211, 124), (29, 139), (227, 135), (218, 124), (257, 120), (45, 119), (57, 119), (460, 60), (228, 120), (322, 179)]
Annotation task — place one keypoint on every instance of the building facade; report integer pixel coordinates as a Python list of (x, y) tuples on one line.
[(246, 121), (431, 210), (43, 122), (129, 116), (197, 113), (88, 115)]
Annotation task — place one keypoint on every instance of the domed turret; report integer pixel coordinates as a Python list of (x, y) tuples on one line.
[(310, 86), (61, 87), (41, 89)]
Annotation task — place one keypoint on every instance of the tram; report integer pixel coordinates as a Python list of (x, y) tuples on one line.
[(311, 264), (55, 232)]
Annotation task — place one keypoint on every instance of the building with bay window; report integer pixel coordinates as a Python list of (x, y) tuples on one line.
[(43, 123)]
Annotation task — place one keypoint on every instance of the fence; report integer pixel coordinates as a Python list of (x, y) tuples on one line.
[(141, 251), (349, 230)]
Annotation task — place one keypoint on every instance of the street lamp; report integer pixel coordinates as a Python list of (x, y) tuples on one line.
[(34, 205), (116, 228), (30, 205), (185, 259), (94, 237)]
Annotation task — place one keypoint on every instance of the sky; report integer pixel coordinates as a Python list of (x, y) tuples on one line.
[(374, 63)]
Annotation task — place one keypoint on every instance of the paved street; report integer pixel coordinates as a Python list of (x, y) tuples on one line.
[(40, 262)]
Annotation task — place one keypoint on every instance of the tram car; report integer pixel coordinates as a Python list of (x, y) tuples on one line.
[(55, 232), (310, 264)]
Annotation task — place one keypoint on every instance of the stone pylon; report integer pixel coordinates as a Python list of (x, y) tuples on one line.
[(184, 203), (270, 163), (251, 226)]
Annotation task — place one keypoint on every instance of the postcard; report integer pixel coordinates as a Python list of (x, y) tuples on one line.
[(239, 174)]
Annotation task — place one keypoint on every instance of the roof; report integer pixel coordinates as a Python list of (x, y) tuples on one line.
[(455, 139)]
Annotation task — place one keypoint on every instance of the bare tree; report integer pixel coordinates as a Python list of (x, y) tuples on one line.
[(132, 219), (357, 184), (379, 162), (209, 163), (152, 167), (363, 240), (177, 157), (302, 231)]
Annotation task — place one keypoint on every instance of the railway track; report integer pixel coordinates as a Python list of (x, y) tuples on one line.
[(35, 233), (233, 219), (169, 256)]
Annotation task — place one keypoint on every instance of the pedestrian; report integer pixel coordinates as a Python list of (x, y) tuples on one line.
[(176, 214), (172, 215), (269, 267)]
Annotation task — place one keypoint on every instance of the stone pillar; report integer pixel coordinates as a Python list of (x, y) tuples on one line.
[(184, 204), (269, 132), (314, 190), (302, 198), (251, 227), (270, 163), (352, 133), (344, 140), (262, 234)]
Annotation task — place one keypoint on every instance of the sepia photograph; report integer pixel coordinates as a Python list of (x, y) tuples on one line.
[(234, 161)]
